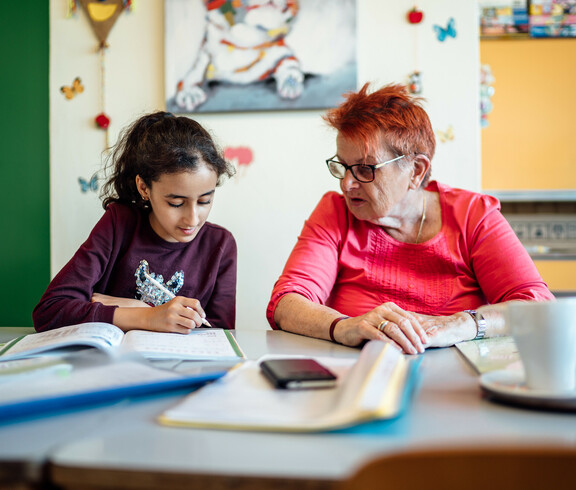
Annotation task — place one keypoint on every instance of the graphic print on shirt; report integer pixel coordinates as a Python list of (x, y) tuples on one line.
[(151, 288)]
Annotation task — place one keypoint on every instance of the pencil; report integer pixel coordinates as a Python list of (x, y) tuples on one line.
[(167, 292)]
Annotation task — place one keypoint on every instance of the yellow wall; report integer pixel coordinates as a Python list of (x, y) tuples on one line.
[(530, 142)]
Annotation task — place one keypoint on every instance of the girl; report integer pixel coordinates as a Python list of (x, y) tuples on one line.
[(164, 171)]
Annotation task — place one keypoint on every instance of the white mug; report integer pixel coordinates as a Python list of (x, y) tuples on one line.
[(545, 334)]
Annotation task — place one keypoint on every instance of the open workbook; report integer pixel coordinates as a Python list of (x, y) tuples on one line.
[(199, 344), (376, 386)]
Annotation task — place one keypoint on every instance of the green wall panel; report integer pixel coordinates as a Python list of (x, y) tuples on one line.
[(24, 159)]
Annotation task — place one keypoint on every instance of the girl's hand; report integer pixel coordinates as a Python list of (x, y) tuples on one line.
[(387, 322), (179, 315), (115, 301), (444, 331)]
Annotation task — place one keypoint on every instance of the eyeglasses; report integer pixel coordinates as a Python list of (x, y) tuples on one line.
[(361, 172)]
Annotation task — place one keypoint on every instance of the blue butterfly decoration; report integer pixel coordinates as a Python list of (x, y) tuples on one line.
[(450, 30), (88, 185)]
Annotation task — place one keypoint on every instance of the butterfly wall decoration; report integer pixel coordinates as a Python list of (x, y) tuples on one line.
[(442, 33), (88, 185), (445, 136), (73, 90)]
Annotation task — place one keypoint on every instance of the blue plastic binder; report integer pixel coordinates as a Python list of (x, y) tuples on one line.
[(33, 404)]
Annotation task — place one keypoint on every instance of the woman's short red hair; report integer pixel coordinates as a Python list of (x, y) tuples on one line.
[(391, 113)]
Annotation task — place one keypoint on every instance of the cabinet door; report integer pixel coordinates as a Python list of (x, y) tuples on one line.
[(529, 141), (560, 275)]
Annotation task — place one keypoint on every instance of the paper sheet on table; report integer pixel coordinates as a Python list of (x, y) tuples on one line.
[(491, 354)]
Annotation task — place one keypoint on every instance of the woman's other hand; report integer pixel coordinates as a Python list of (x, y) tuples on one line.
[(444, 331)]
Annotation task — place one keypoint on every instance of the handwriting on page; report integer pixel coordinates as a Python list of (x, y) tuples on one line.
[(198, 342)]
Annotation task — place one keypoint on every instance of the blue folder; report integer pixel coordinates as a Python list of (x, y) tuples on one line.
[(47, 405)]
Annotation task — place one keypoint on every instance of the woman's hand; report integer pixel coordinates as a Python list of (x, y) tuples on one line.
[(115, 301), (387, 322), (444, 331)]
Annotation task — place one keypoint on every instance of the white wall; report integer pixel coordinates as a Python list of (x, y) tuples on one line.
[(265, 204)]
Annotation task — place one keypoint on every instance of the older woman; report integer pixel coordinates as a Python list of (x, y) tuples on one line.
[(398, 257)]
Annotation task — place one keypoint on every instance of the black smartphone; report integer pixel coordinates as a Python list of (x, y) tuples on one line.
[(297, 374)]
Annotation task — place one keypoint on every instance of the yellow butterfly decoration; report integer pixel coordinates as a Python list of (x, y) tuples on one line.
[(72, 91), (447, 135)]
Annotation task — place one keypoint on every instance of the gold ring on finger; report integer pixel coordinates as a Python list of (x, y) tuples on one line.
[(382, 325)]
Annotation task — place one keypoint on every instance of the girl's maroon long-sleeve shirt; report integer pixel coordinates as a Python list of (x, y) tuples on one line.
[(107, 262)]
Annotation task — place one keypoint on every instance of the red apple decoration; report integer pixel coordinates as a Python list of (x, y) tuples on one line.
[(415, 16), (102, 121)]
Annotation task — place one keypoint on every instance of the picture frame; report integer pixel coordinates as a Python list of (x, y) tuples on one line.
[(225, 56)]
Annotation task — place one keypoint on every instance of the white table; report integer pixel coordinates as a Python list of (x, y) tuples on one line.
[(122, 446)]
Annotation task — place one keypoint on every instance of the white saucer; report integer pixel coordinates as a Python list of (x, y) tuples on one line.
[(508, 385)]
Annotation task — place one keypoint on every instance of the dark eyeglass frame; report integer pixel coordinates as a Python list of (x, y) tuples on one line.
[(351, 168)]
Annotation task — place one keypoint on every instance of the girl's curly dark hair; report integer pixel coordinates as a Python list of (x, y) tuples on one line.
[(156, 144)]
